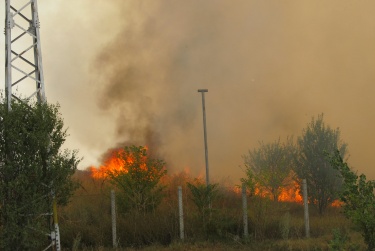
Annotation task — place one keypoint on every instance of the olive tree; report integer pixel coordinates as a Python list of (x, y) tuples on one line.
[(323, 181), (32, 165), (269, 166)]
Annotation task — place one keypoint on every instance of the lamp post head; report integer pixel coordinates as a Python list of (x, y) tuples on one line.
[(202, 90)]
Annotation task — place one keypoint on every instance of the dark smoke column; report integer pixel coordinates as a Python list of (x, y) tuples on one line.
[(205, 135)]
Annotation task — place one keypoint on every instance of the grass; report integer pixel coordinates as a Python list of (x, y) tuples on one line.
[(311, 244), (86, 224)]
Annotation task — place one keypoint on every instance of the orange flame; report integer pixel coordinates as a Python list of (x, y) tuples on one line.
[(337, 203), (117, 162), (291, 193), (112, 164)]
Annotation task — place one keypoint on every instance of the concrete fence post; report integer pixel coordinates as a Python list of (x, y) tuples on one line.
[(113, 213), (306, 208), (181, 213), (244, 208)]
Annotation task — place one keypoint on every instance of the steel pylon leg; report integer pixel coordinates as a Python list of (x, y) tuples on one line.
[(24, 78)]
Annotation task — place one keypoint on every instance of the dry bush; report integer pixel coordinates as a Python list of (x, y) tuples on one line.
[(87, 217), (86, 222)]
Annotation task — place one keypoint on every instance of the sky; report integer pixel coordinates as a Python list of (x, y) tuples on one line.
[(127, 72)]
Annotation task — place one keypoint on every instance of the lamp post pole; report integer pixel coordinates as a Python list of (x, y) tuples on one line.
[(205, 135)]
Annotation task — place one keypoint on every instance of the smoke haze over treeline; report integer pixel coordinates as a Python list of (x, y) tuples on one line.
[(129, 71)]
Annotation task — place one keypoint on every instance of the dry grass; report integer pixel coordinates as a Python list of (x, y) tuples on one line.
[(86, 224), (312, 244)]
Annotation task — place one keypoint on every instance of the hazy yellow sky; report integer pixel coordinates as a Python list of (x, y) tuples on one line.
[(128, 71)]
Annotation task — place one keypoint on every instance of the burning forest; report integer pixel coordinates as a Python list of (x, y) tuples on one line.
[(117, 161), (147, 202)]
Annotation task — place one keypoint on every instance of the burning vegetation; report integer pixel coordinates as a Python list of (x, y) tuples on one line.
[(112, 164), (291, 193), (148, 196), (119, 160), (136, 174)]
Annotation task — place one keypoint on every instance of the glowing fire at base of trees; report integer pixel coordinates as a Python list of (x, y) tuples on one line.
[(115, 163), (291, 193)]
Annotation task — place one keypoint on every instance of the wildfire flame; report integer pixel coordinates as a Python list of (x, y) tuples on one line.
[(289, 193), (113, 164), (337, 203), (117, 162)]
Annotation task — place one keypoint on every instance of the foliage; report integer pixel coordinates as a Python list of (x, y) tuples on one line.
[(260, 216), (32, 164), (86, 221), (203, 196), (269, 166), (339, 240), (323, 181), (359, 199), (139, 180), (285, 225)]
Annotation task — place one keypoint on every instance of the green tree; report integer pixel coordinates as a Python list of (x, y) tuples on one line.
[(359, 199), (203, 196), (139, 179), (31, 164), (323, 181), (269, 166)]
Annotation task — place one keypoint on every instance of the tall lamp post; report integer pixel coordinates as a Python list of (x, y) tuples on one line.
[(205, 135)]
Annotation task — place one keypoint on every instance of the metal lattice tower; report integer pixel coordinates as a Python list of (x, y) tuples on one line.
[(24, 80), (23, 59)]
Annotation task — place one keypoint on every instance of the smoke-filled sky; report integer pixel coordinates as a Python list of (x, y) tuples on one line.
[(129, 71)]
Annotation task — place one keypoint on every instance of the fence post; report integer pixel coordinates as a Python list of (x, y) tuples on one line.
[(113, 213), (181, 213), (244, 207), (306, 208)]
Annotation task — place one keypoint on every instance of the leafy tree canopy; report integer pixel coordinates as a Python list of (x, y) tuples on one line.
[(139, 179), (359, 199), (268, 166), (323, 181), (31, 166)]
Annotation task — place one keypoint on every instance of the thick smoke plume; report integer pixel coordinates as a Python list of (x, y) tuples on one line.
[(269, 67)]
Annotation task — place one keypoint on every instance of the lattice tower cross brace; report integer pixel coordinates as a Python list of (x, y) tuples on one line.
[(23, 59), (36, 74)]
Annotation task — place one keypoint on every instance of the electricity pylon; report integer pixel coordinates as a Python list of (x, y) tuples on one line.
[(24, 80)]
